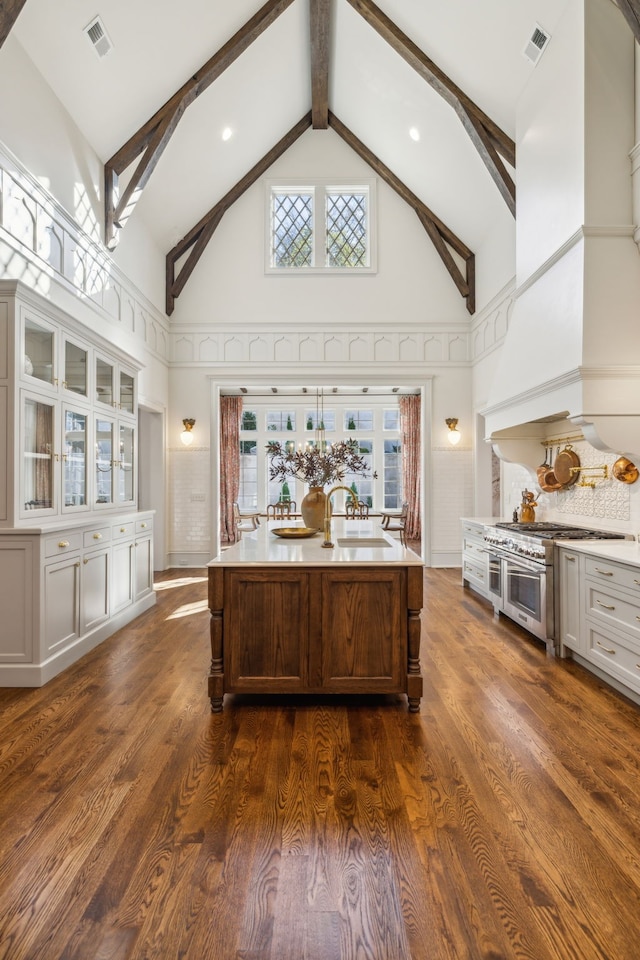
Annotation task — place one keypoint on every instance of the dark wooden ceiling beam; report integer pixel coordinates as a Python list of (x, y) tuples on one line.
[(448, 90), (198, 237), (9, 10), (631, 12), (485, 147), (154, 131), (441, 236), (320, 34)]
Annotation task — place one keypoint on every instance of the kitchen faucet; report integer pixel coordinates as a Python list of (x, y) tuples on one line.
[(327, 512)]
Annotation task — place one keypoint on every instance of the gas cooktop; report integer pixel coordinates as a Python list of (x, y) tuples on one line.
[(549, 530)]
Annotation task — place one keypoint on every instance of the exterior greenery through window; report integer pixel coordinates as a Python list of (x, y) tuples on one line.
[(376, 431), (321, 227)]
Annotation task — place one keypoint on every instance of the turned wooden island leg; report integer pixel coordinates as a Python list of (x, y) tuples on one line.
[(216, 628)]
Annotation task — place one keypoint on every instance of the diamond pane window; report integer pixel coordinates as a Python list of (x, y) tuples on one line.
[(346, 223), (292, 230)]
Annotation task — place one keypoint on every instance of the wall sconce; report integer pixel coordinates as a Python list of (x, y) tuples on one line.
[(187, 436), (454, 433)]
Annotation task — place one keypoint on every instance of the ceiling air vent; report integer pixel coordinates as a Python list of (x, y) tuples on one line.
[(536, 44), (98, 36)]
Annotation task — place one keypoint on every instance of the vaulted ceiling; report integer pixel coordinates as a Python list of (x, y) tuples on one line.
[(178, 75)]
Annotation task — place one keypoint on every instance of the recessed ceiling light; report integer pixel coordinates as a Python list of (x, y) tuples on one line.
[(414, 133), (227, 133)]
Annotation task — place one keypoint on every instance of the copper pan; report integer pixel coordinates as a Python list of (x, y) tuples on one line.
[(566, 466), (547, 479), (624, 470)]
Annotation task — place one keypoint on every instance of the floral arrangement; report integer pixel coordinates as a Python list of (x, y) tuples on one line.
[(314, 466)]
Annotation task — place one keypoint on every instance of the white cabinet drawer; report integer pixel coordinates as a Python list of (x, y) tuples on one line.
[(615, 655), (144, 526), (474, 571), (62, 544), (93, 538), (122, 531), (475, 549), (470, 529), (614, 573), (613, 608)]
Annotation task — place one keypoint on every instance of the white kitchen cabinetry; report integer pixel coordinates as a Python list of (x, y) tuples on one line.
[(69, 576), (612, 616), (63, 591), (475, 560), (570, 572)]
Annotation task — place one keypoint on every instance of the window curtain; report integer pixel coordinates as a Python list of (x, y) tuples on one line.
[(410, 427), (230, 414)]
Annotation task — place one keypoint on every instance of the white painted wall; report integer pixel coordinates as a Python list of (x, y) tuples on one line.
[(229, 285), (44, 138)]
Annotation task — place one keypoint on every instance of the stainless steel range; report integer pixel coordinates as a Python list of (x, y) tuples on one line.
[(521, 571)]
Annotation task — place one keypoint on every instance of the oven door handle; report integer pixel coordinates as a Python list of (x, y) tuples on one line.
[(524, 562)]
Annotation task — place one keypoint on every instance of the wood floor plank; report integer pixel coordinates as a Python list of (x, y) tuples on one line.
[(502, 822)]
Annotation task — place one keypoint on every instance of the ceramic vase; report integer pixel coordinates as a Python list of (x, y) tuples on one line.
[(312, 508)]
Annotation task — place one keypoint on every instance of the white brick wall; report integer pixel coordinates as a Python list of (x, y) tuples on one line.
[(190, 499)]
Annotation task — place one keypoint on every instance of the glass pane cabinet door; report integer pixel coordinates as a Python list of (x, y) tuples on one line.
[(126, 392), (104, 458), (75, 368), (38, 351), (38, 430), (104, 382), (126, 466), (75, 459)]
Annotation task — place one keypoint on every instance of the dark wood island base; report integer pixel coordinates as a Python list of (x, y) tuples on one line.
[(332, 629)]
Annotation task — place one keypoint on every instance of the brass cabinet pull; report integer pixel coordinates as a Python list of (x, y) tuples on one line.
[(97, 536), (607, 606), (637, 581), (63, 543), (77, 564), (123, 529), (605, 573), (85, 561), (606, 649), (571, 559), (143, 525)]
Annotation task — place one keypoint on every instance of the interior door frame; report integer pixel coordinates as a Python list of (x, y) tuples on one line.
[(231, 376)]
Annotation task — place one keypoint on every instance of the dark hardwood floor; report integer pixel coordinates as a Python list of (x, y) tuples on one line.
[(502, 821)]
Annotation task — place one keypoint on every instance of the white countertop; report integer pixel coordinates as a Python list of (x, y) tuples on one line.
[(622, 551), (262, 546)]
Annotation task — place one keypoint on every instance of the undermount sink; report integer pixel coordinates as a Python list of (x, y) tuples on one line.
[(363, 542)]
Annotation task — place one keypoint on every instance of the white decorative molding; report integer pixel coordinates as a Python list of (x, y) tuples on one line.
[(491, 324), (41, 243), (204, 346), (584, 232)]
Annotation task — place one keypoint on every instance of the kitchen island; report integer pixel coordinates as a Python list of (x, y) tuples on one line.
[(290, 616)]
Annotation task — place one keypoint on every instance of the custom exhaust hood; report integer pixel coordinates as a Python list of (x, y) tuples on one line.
[(571, 355)]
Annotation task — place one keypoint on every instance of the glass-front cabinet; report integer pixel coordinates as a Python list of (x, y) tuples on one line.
[(76, 417), (74, 458), (39, 351), (76, 371), (38, 478)]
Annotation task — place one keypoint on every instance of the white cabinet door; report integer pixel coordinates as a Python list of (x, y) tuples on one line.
[(571, 575), (94, 596), (61, 602), (122, 575), (143, 567)]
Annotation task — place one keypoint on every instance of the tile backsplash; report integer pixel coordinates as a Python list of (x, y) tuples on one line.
[(609, 503)]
